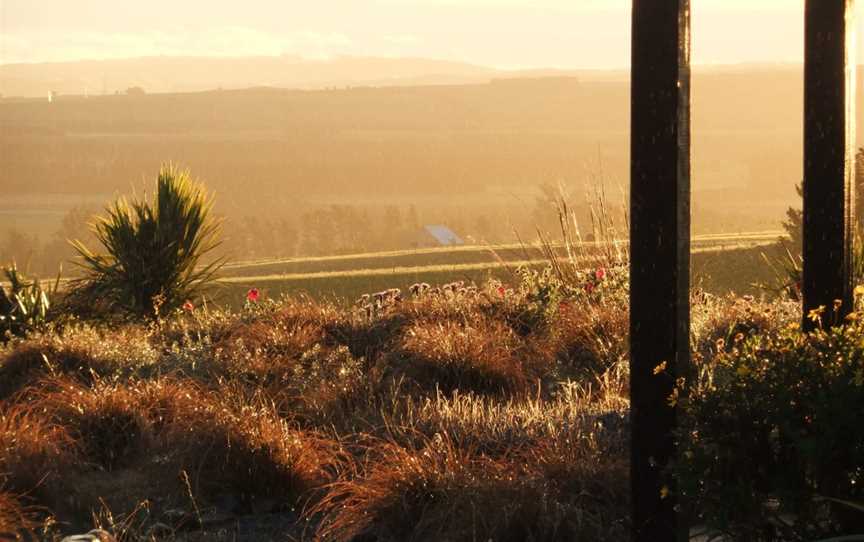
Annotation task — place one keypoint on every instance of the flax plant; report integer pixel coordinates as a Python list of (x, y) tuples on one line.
[(154, 250)]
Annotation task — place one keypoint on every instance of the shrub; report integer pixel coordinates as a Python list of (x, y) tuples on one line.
[(154, 250), (723, 321), (26, 305), (774, 422)]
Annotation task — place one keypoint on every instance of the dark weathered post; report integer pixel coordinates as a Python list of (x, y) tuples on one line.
[(660, 254), (829, 157)]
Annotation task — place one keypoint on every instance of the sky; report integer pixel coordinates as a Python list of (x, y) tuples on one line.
[(568, 34)]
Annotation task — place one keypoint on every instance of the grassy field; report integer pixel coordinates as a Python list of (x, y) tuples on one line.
[(484, 414), (720, 264), (473, 254)]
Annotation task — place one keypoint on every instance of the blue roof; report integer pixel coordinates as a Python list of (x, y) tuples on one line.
[(444, 235)]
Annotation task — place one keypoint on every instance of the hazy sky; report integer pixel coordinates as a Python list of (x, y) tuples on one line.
[(500, 33)]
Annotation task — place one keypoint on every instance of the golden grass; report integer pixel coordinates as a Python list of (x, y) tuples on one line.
[(437, 417), (17, 520)]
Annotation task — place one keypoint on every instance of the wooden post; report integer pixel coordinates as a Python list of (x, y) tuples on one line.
[(829, 158), (660, 254)]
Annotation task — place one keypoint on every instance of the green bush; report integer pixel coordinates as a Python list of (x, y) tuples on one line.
[(25, 306), (154, 250), (773, 435)]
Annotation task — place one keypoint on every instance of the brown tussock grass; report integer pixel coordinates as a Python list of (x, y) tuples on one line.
[(450, 356), (474, 467), (432, 418), (287, 332), (81, 352), (251, 451), (34, 450), (496, 428), (588, 340), (224, 441), (442, 491), (18, 521)]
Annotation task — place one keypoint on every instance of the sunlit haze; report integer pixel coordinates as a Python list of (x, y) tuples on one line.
[(494, 33)]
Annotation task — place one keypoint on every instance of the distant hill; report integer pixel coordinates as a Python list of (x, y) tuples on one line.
[(490, 143), (191, 74)]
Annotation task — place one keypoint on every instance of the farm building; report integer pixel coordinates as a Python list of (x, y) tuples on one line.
[(436, 236)]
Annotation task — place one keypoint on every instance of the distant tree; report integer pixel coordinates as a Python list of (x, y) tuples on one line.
[(392, 218), (59, 250), (794, 223), (350, 227), (135, 91), (482, 229), (412, 220), (545, 212), (263, 237), (319, 233), (392, 234), (18, 247), (288, 238)]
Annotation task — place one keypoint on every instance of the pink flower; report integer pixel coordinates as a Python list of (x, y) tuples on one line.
[(502, 291), (589, 287), (600, 273), (253, 295), (188, 306)]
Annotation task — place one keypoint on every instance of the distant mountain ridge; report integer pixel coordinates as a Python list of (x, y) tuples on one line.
[(167, 74), (191, 74)]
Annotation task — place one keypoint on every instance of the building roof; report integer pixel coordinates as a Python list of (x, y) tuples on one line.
[(443, 235)]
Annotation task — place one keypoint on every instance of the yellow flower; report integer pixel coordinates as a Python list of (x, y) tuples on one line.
[(816, 314), (859, 290), (660, 368), (664, 492), (672, 400)]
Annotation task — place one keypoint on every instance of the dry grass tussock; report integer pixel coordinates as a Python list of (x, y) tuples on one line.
[(441, 490), (82, 352), (17, 520), (460, 413)]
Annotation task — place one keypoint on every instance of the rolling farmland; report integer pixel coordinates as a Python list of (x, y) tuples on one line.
[(720, 263)]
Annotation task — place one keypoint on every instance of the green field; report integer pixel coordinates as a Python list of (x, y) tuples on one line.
[(720, 264)]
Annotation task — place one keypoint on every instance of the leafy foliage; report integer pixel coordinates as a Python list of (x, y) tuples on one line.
[(788, 268), (154, 261), (774, 423), (26, 304)]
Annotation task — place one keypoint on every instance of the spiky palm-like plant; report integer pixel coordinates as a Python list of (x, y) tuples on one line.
[(26, 304), (153, 249)]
